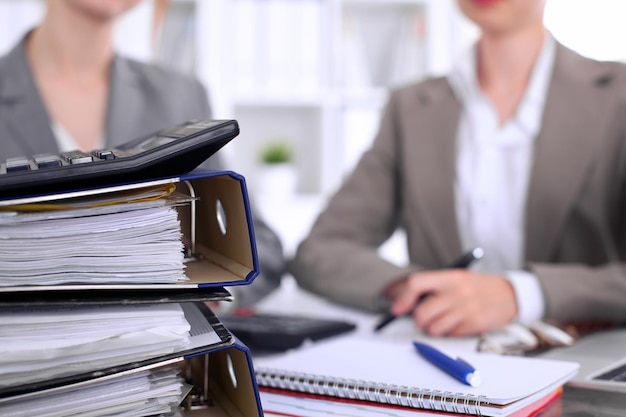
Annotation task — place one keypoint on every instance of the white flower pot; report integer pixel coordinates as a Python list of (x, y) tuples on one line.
[(276, 180)]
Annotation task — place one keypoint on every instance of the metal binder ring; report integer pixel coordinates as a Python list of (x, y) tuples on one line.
[(466, 404), (326, 388), (389, 396), (360, 391), (375, 391), (434, 395), (310, 383), (344, 386), (348, 388), (481, 398), (275, 382), (293, 382), (460, 404), (315, 386), (354, 392), (442, 401), (422, 398), (383, 394), (400, 392), (473, 402), (454, 401), (281, 380), (428, 400)]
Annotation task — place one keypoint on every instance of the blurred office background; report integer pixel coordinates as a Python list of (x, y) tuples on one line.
[(313, 74)]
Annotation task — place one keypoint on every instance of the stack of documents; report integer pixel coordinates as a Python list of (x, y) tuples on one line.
[(78, 334), (45, 343), (146, 393), (99, 243)]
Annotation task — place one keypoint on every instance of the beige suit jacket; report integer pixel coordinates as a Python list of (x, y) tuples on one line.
[(575, 214)]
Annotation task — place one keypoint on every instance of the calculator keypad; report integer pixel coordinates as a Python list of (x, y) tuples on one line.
[(17, 164), (49, 160), (172, 151), (77, 157)]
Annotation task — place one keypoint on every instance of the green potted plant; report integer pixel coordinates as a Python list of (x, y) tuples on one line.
[(276, 152), (277, 175)]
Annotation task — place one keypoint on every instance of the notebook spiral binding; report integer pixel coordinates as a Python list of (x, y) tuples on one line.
[(369, 391)]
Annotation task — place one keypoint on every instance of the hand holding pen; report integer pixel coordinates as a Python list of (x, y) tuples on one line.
[(462, 262)]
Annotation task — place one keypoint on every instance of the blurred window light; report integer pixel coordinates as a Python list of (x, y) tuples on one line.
[(593, 28)]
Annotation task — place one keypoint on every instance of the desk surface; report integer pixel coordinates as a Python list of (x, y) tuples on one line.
[(290, 299), (585, 403)]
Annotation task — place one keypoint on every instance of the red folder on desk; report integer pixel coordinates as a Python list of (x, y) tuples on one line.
[(296, 404)]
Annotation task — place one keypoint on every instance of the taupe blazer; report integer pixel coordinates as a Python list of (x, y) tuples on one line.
[(575, 214), (143, 99)]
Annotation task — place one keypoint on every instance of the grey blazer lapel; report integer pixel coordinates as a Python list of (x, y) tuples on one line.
[(433, 119), (25, 117), (125, 104), (564, 148)]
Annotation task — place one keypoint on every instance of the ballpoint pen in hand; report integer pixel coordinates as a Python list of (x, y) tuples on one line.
[(462, 262), (457, 368)]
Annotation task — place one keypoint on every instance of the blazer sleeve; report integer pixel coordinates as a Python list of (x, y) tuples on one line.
[(587, 281), (339, 258)]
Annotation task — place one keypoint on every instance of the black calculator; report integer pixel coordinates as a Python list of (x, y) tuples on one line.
[(267, 332), (169, 152)]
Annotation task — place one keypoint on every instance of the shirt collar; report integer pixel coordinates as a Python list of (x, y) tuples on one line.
[(530, 109), (464, 84)]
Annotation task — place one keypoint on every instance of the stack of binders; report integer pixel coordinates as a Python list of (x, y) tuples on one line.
[(103, 291)]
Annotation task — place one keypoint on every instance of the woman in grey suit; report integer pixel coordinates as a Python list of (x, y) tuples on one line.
[(521, 151), (63, 87)]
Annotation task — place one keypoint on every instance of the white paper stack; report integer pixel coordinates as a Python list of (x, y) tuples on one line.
[(138, 242), (146, 393), (44, 343)]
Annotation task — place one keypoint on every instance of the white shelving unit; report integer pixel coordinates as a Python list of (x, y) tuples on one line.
[(315, 72)]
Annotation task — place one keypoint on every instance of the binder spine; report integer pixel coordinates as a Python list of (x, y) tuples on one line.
[(419, 398)]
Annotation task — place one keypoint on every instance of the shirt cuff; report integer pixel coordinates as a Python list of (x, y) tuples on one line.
[(529, 296)]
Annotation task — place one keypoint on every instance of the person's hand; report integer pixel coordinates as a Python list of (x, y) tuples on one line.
[(459, 302)]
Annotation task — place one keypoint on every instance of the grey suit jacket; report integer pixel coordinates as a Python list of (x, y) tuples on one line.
[(575, 214), (143, 99)]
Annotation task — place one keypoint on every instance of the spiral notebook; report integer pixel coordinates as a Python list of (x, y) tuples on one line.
[(393, 373)]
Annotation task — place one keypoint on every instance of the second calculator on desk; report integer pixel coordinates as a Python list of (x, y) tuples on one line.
[(276, 332)]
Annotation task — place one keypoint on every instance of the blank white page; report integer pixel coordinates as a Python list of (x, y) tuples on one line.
[(505, 379)]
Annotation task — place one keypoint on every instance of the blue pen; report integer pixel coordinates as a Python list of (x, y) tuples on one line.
[(458, 368)]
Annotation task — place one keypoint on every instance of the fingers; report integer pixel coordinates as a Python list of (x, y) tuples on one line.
[(420, 285), (460, 302), (437, 318), (415, 286)]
